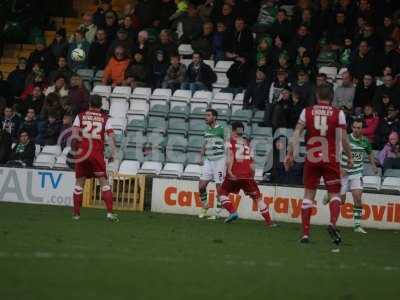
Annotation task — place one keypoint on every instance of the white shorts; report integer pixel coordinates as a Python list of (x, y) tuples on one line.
[(214, 170), (349, 184)]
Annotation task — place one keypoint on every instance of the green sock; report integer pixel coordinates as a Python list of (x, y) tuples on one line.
[(357, 216), (203, 198)]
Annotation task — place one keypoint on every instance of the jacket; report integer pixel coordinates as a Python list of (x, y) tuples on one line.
[(115, 71), (203, 74)]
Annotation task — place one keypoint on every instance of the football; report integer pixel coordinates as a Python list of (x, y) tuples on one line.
[(78, 55)]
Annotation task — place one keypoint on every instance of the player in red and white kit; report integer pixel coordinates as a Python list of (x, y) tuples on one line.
[(240, 175), (89, 130), (326, 135)]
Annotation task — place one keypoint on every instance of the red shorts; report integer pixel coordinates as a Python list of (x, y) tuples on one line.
[(249, 186), (93, 166), (330, 172)]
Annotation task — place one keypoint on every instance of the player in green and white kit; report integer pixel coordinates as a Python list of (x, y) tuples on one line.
[(352, 178), (213, 158)]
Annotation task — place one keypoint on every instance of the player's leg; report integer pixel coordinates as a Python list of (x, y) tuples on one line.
[(106, 195), (356, 191), (78, 197), (251, 188), (204, 180), (218, 170), (227, 188)]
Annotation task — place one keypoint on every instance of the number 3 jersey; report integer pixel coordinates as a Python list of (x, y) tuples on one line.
[(324, 124), (93, 127), (242, 156)]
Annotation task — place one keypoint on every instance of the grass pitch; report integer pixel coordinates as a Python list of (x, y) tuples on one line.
[(45, 255)]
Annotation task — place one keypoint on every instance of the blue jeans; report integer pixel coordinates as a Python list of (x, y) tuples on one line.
[(193, 86)]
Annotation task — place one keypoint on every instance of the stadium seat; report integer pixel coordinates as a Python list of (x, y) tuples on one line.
[(135, 139), (61, 162), (102, 90), (368, 170), (243, 115), (177, 126), (202, 96), (258, 116), (133, 154), (287, 132), (155, 154), (138, 107), (136, 125), (119, 109), (181, 95), (161, 94), (195, 143), (372, 182), (238, 100), (192, 171), (172, 169), (224, 114), (129, 167), (157, 124), (391, 183), (38, 148), (197, 126), (151, 167), (223, 66), (177, 142), (223, 98), (260, 132), (98, 76), (210, 63), (175, 156), (178, 110), (222, 81), (118, 123), (121, 92), (389, 173), (113, 166), (185, 49), (155, 140), (141, 93), (86, 74), (105, 104), (44, 160), (197, 111), (289, 9), (52, 150), (341, 72), (186, 62), (259, 174), (158, 110)]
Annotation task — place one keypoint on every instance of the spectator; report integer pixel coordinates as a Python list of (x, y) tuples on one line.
[(63, 70), (165, 11), (88, 27), (282, 26), (59, 46), (386, 31), (111, 25), (304, 88), (266, 16), (256, 92), (5, 146), (263, 56), (239, 75), (142, 45), (51, 105), (79, 42), (365, 91), (281, 110), (346, 53), (295, 110), (323, 17), (34, 101), (199, 76), (363, 61), (137, 74), (129, 27), (371, 122), (389, 88), (79, 95), (240, 42), (308, 66), (175, 74), (98, 51), (277, 50), (203, 44), (226, 15), (390, 57), (280, 82), (165, 44), (5, 93), (122, 40), (302, 42), (51, 129), (159, 70), (43, 56), (36, 75), (23, 152), (145, 11), (30, 124), (115, 70), (17, 78), (339, 31), (343, 97), (191, 25), (66, 130), (59, 87), (382, 106), (218, 41), (322, 80), (389, 156), (100, 16), (10, 122), (386, 126)]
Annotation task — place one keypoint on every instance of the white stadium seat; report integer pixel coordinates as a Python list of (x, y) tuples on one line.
[(372, 182), (161, 94), (259, 174), (129, 167), (330, 72), (223, 66), (202, 96), (45, 160), (223, 98), (118, 109), (38, 148), (138, 107), (210, 63), (238, 99), (185, 49), (222, 81), (151, 167), (186, 62), (118, 123), (391, 183), (172, 169), (105, 105), (141, 93), (192, 170), (53, 150), (61, 162), (121, 91), (181, 95), (102, 90)]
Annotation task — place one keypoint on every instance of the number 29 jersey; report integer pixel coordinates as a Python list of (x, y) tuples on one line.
[(242, 157), (94, 125), (323, 124)]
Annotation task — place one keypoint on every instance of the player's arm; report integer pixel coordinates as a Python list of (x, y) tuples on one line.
[(76, 130), (202, 153), (293, 148), (371, 159), (229, 162), (347, 148)]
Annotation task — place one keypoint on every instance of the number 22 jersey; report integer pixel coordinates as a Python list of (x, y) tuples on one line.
[(242, 157)]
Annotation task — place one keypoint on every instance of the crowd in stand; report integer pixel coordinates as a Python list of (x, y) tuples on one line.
[(277, 57)]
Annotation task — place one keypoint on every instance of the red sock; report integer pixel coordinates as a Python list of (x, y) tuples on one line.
[(305, 220), (78, 199), (107, 198), (264, 210), (334, 207), (228, 206)]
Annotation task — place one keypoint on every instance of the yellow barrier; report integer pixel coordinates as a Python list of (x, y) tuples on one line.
[(128, 193)]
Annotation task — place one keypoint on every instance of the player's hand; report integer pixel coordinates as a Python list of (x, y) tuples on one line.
[(350, 163), (289, 161), (231, 175)]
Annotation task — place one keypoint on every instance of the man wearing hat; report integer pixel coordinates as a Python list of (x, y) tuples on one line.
[(122, 40)]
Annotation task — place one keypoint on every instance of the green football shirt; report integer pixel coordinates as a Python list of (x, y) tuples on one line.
[(214, 140), (359, 149)]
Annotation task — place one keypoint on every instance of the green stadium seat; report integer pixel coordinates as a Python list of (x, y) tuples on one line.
[(179, 111), (155, 140), (198, 112), (197, 126), (136, 125), (177, 142), (155, 155), (260, 132), (177, 126), (157, 124), (134, 153), (193, 157), (159, 110), (258, 116), (195, 143), (243, 115), (135, 138), (224, 114), (175, 156)]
